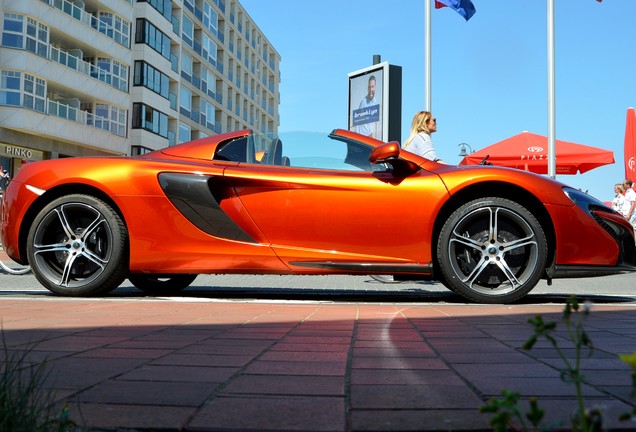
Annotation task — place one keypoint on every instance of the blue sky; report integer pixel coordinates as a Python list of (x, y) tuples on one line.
[(489, 75)]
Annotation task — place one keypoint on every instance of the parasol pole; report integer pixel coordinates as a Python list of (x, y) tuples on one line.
[(551, 93), (427, 55)]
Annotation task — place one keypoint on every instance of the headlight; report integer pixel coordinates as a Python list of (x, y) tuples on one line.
[(583, 200)]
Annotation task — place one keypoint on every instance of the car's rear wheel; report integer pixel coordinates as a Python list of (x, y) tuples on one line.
[(492, 250), (77, 246), (162, 284)]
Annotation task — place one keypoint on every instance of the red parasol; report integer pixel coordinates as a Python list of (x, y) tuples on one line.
[(529, 152)]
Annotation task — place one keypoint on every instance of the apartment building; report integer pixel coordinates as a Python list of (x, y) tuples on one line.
[(125, 77)]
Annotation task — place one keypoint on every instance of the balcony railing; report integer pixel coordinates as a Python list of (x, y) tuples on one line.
[(83, 67), (90, 20), (83, 117)]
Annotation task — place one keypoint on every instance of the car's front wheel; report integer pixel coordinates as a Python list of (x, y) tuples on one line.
[(77, 246), (492, 250)]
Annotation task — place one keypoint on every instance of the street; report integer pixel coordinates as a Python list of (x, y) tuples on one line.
[(601, 290)]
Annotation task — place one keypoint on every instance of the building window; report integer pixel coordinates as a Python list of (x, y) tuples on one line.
[(150, 119), (209, 50), (137, 150), (13, 33), (185, 100), (37, 38), (186, 66), (210, 18), (117, 119), (10, 88), (23, 90), (34, 93), (115, 27), (151, 78), (34, 38), (208, 114), (164, 7), (187, 31), (185, 133), (113, 72), (148, 34)]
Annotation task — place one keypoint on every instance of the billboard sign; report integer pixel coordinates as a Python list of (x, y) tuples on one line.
[(370, 100)]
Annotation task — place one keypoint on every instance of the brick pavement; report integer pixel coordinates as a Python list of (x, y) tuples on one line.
[(208, 365)]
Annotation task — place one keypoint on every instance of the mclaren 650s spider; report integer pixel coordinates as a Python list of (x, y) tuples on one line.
[(303, 203)]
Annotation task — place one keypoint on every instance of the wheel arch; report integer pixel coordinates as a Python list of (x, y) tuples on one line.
[(509, 191), (54, 193)]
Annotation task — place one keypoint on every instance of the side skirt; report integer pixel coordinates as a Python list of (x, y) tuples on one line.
[(368, 267)]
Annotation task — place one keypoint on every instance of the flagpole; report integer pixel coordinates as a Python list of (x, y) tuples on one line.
[(551, 93), (427, 56)]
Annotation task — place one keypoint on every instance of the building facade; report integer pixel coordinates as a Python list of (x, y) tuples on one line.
[(125, 77)]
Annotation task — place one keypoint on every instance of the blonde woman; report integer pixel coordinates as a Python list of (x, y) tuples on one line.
[(419, 141), (618, 202)]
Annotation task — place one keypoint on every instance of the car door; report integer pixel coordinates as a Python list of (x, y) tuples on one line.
[(339, 212)]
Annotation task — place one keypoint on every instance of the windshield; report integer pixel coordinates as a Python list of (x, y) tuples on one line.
[(312, 150)]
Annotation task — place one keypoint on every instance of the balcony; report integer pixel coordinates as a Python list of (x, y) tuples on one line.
[(122, 38), (68, 112), (75, 63)]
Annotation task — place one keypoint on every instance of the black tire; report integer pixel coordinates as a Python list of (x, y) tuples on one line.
[(77, 246), (492, 250), (162, 284)]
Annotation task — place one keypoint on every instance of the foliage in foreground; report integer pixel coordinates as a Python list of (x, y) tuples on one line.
[(507, 413), (24, 405)]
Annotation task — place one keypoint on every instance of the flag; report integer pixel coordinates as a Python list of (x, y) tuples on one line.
[(630, 145), (463, 7)]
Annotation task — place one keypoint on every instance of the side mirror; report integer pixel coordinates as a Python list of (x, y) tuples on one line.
[(385, 153), (389, 154)]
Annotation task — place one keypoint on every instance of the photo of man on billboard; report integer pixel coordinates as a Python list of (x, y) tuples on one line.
[(366, 94)]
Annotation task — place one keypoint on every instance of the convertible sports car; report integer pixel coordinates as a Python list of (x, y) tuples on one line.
[(303, 204)]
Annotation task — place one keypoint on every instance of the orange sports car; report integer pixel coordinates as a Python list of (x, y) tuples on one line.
[(303, 203)]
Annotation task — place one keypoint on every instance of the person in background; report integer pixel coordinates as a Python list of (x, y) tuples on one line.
[(419, 140), (369, 129), (618, 202), (4, 179), (630, 197)]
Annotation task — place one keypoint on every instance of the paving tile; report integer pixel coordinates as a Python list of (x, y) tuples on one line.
[(128, 417), (279, 413), (495, 370), (285, 346), (540, 387), (404, 376), (297, 368), (318, 339), (488, 358), (203, 360), (310, 356), (394, 352), (123, 353), (413, 397), (183, 374), (77, 373), (419, 420), (397, 363), (148, 393), (287, 385)]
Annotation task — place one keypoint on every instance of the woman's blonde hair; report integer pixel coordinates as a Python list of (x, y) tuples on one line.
[(419, 124), (620, 187)]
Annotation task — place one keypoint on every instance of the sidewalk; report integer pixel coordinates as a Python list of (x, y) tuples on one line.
[(207, 365)]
